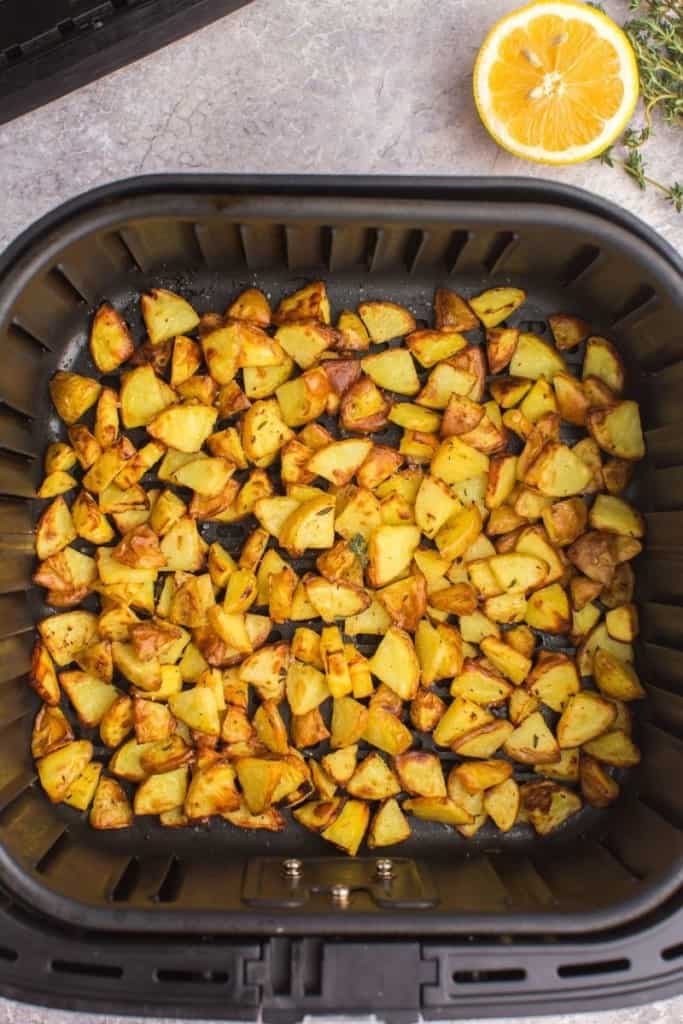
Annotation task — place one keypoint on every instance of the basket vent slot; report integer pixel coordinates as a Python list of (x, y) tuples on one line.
[(10, 956), (86, 970), (501, 247), (489, 977), (69, 288), (579, 264), (597, 967), (52, 854), (185, 977), (171, 885), (636, 306), (673, 952), (124, 888), (456, 245)]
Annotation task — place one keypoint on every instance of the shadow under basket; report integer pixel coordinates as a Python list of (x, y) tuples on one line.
[(489, 925)]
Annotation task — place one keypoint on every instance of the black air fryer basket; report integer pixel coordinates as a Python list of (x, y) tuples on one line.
[(204, 921)]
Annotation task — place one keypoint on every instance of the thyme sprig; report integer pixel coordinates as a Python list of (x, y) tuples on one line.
[(656, 34)]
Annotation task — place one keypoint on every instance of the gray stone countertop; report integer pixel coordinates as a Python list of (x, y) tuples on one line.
[(300, 86)]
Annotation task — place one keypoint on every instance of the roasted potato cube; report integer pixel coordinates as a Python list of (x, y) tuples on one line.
[(59, 769), (617, 430), (597, 787), (568, 331), (90, 696), (501, 803), (461, 717), (166, 315), (616, 516), (259, 778), (501, 343), (385, 731), (346, 831), (548, 805), (433, 346), (386, 320), (66, 634), (43, 677), (364, 408), (554, 679), (110, 807), (161, 792), (441, 809), (480, 684), (532, 742), (496, 304), (51, 730), (396, 664), (477, 776), (604, 362), (548, 610), (307, 303), (420, 773), (372, 779), (72, 395), (389, 826), (586, 716), (615, 678), (212, 791), (615, 748)]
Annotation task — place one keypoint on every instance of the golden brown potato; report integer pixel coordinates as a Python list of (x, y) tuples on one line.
[(72, 395)]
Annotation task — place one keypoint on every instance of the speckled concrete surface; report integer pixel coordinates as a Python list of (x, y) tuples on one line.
[(337, 86)]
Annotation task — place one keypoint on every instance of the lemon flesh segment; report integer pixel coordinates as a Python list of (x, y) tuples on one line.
[(555, 81)]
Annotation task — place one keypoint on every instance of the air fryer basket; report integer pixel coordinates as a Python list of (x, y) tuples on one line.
[(209, 238)]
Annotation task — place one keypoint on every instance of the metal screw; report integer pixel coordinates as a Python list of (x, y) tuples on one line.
[(384, 868), (340, 895), (292, 868)]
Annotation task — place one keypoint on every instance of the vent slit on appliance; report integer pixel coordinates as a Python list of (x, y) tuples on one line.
[(372, 246), (501, 247), (672, 952), (52, 853), (184, 977), (579, 264), (23, 334), (635, 307), (415, 239), (59, 281), (121, 235), (62, 275), (585, 970), (454, 249), (490, 976), (201, 252), (10, 956), (173, 880), (128, 879), (86, 970), (326, 246)]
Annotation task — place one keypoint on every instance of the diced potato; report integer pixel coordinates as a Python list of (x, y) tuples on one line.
[(420, 774), (548, 805), (554, 680), (72, 395), (532, 742), (622, 623), (598, 788), (615, 678), (389, 826), (392, 369), (501, 803), (161, 792), (501, 343), (568, 331), (110, 807), (396, 663), (615, 748), (534, 358), (212, 791), (617, 430), (441, 809), (166, 314), (585, 717), (385, 731), (615, 515), (496, 304), (548, 610), (183, 427), (433, 346)]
